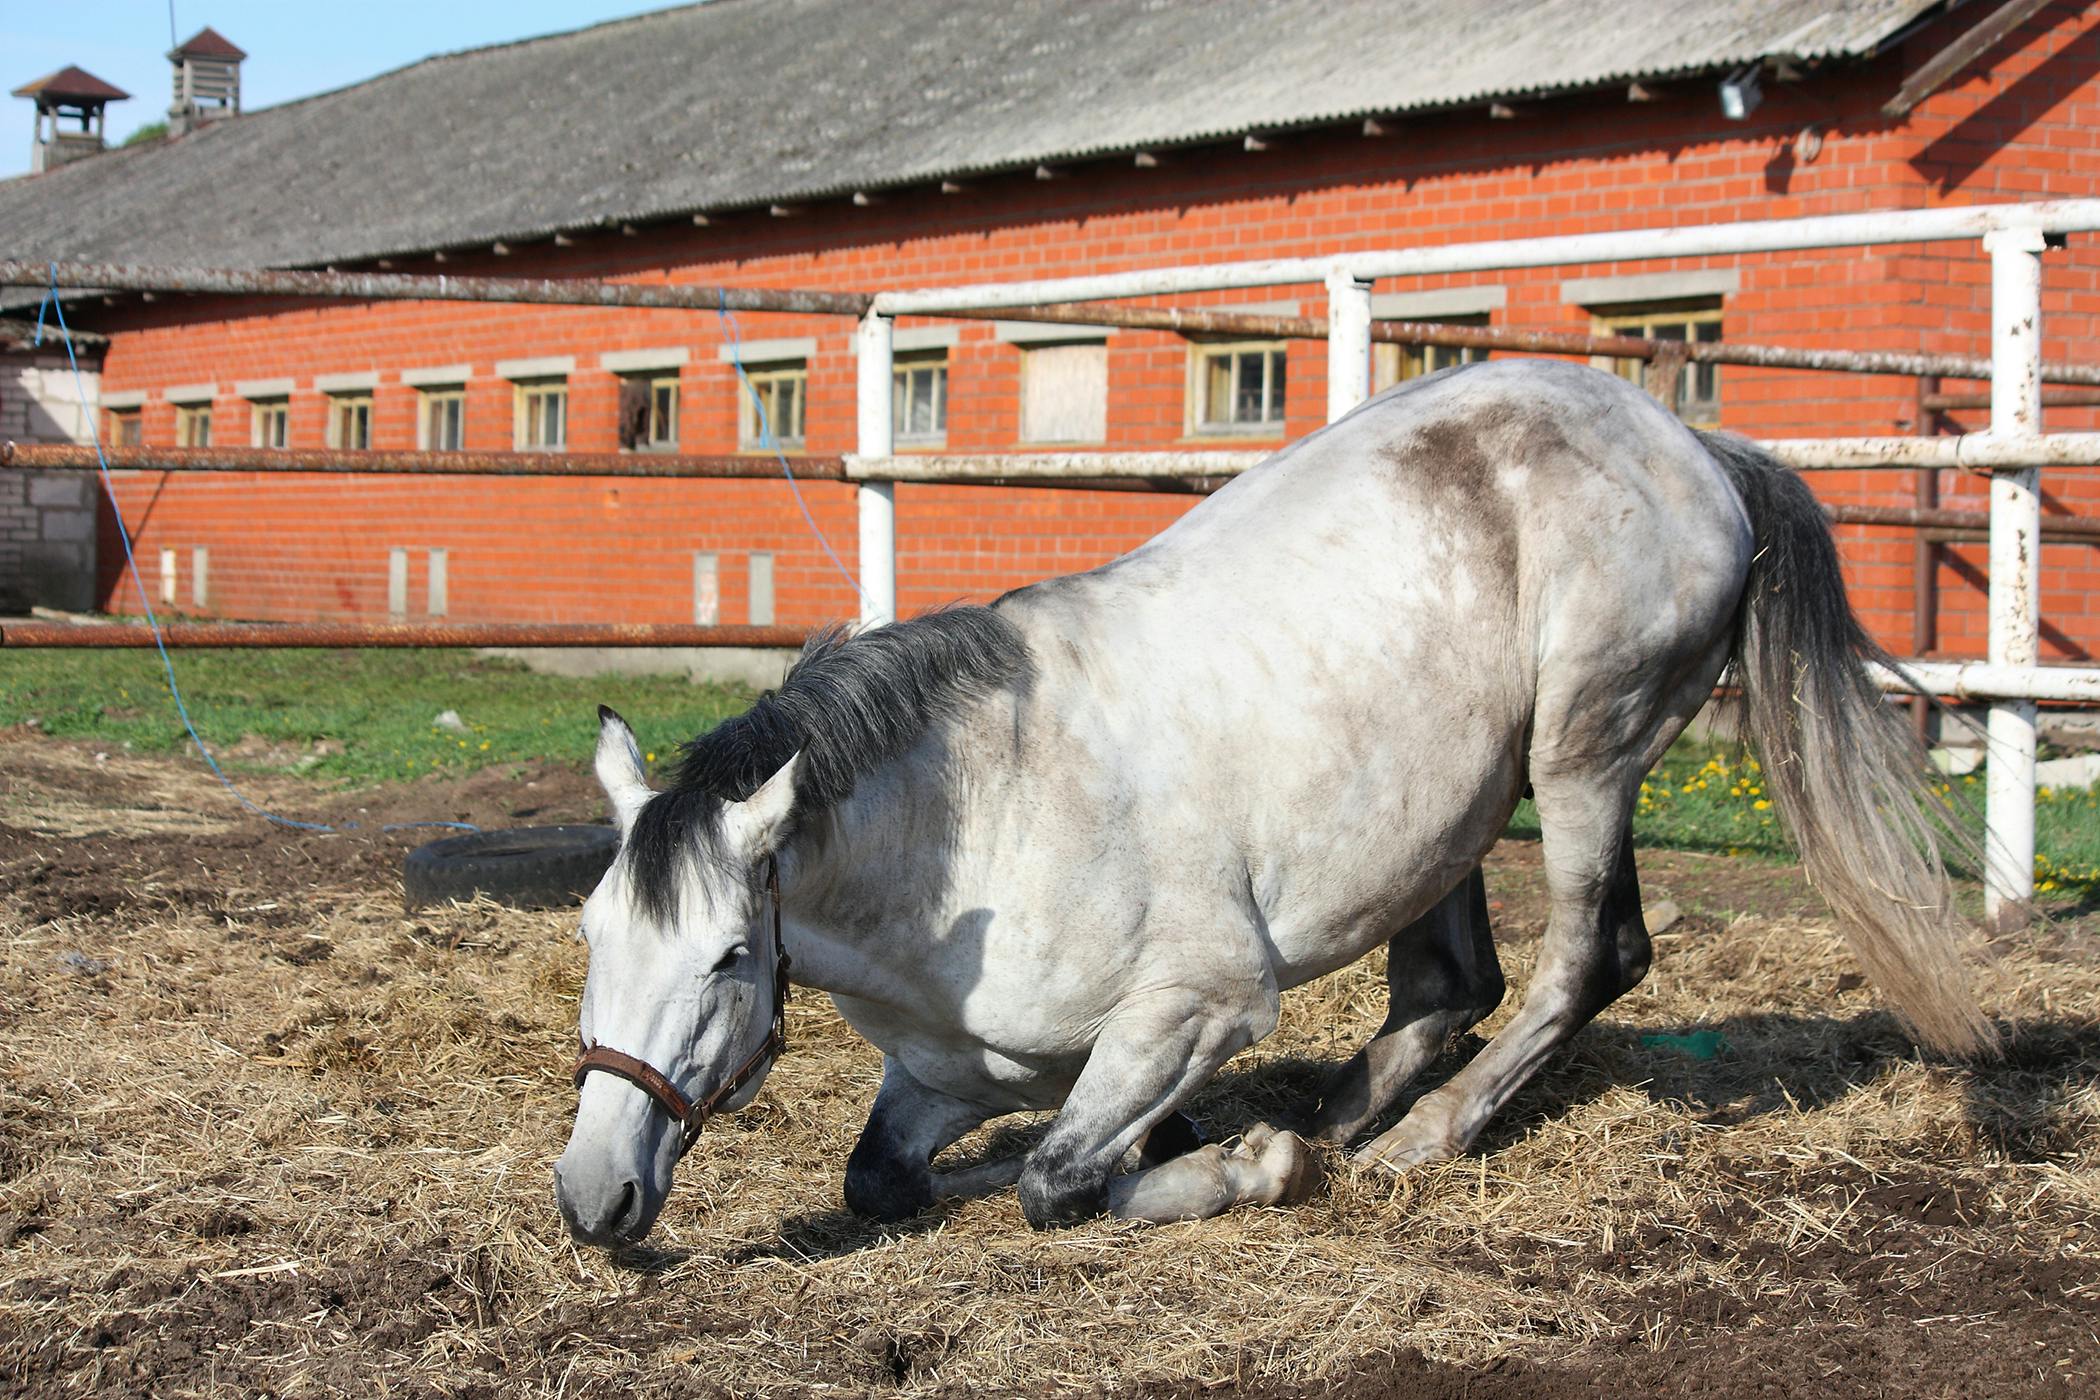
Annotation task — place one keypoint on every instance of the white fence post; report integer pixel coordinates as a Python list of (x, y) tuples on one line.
[(878, 499), (2016, 520), (1348, 342)]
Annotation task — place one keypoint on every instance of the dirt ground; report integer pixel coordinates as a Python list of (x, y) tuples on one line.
[(261, 1132)]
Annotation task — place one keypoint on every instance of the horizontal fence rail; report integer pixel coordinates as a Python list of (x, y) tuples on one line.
[(394, 286), (102, 635)]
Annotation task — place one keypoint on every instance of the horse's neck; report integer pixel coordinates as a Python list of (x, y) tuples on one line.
[(854, 874)]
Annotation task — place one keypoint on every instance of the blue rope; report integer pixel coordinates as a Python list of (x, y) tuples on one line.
[(766, 439), (51, 303)]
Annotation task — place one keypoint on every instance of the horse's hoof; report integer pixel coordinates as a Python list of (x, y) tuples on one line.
[(1398, 1151), (1294, 1165)]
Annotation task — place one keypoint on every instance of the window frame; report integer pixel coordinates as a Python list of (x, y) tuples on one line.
[(1638, 318), (193, 425), (1275, 388), (905, 365), (526, 396), (429, 397), (126, 427), (343, 409), (659, 431), (1396, 362), (766, 380), (261, 413)]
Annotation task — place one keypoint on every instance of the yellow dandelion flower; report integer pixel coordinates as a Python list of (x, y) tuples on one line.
[(1761, 804)]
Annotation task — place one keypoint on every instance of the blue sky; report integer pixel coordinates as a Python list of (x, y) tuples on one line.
[(295, 47)]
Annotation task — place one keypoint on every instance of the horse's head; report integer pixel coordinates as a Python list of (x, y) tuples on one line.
[(682, 983)]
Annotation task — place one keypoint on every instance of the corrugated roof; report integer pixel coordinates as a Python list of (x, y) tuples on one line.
[(743, 103), (71, 82)]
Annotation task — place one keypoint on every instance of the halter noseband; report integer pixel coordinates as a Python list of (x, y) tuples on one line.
[(692, 1117)]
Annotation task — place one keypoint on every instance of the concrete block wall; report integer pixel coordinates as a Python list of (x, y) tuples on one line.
[(48, 527), (2024, 124)]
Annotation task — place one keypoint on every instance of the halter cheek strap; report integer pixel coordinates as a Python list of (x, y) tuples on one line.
[(691, 1116)]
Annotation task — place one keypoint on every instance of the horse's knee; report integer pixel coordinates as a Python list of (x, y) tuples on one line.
[(1056, 1190), (883, 1185)]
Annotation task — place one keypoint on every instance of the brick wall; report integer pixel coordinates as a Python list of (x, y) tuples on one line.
[(2023, 127), (47, 519)]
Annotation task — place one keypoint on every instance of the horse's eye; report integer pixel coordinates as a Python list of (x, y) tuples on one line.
[(728, 960)]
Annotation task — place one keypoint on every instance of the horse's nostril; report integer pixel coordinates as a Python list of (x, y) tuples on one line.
[(629, 1203)]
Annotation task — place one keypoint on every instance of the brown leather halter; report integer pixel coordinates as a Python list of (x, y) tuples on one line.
[(658, 1086)]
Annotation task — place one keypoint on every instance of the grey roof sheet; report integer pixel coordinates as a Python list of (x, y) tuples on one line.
[(746, 102)]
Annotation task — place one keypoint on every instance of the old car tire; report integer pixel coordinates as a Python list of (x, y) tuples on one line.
[(527, 867)]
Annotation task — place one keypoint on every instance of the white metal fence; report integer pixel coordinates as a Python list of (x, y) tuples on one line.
[(2012, 449)]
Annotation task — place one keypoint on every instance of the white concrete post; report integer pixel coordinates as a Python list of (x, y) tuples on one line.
[(2016, 522), (878, 499), (1348, 342)]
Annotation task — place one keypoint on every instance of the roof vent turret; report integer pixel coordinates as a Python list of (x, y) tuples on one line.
[(207, 80), (69, 95)]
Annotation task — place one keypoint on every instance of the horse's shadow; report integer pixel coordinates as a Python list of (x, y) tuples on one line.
[(1760, 1064)]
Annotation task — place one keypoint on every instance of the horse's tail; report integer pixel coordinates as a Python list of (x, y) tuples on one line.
[(1853, 791)]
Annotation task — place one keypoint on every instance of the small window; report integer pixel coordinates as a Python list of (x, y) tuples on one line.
[(193, 425), (1696, 319), (270, 422), (1238, 388), (350, 422), (649, 413), (126, 427), (920, 398), (771, 414), (441, 420), (1392, 362), (542, 417), (1064, 393)]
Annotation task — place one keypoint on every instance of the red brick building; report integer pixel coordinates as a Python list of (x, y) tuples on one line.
[(833, 144)]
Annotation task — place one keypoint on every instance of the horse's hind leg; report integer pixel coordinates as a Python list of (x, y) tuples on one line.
[(1590, 746), (1595, 949), (1442, 977)]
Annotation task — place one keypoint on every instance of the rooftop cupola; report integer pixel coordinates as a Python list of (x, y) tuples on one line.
[(207, 80), (69, 95)]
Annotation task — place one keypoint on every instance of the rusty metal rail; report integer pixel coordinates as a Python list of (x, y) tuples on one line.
[(723, 466), (1938, 402), (391, 286), (2054, 527), (1715, 352), (395, 634)]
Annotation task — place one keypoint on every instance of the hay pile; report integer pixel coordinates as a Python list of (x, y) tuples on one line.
[(263, 1133)]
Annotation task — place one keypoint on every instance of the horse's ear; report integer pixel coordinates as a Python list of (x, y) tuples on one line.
[(758, 823), (619, 768)]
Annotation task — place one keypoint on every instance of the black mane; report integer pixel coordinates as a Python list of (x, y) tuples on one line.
[(850, 703)]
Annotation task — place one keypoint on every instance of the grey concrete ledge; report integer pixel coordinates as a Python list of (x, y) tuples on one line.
[(635, 361), (1041, 332), (264, 388), (125, 398), (1443, 301), (437, 376), (759, 352), (916, 338), (1650, 286), (358, 381), (538, 367), (189, 393)]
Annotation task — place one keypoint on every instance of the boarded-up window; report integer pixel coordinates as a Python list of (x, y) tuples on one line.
[(1064, 393)]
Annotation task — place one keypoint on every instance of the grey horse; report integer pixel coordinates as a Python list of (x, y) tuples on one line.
[(1066, 851)]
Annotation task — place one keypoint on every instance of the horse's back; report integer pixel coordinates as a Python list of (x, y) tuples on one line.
[(1327, 674)]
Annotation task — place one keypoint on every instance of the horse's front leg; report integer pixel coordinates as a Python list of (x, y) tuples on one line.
[(890, 1175), (1154, 1051)]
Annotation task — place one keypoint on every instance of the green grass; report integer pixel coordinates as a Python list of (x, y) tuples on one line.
[(358, 717), (1705, 797), (353, 717)]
